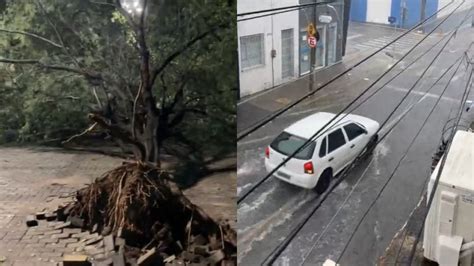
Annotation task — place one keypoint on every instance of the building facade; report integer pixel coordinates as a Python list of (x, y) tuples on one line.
[(407, 13), (273, 49), (267, 54)]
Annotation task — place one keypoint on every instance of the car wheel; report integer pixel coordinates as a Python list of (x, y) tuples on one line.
[(323, 182), (371, 146)]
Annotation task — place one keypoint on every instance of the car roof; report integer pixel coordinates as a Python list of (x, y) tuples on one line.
[(309, 125)]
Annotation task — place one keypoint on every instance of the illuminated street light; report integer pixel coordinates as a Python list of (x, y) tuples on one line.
[(133, 7)]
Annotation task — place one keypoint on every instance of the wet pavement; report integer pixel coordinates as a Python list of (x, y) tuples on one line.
[(267, 216)]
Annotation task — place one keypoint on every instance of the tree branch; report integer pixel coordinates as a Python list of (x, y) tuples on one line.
[(119, 133), (89, 129), (60, 38), (178, 52), (33, 36), (85, 73)]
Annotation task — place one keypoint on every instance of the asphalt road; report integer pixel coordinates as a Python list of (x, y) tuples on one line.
[(272, 210)]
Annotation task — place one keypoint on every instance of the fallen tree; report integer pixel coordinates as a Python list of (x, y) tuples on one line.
[(146, 98)]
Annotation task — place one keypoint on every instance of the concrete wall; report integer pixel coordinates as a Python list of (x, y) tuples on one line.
[(378, 11), (268, 75)]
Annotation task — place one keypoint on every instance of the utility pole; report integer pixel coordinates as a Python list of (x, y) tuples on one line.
[(312, 39), (422, 14)]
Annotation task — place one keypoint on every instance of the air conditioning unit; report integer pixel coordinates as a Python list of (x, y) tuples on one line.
[(449, 227)]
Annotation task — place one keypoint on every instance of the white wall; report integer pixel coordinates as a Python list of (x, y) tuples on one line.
[(378, 11), (260, 78)]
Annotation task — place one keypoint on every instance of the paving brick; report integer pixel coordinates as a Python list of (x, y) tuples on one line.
[(68, 240), (73, 230), (51, 254), (13, 236), (67, 249), (48, 240), (29, 241), (109, 243), (31, 221), (40, 215), (53, 232), (75, 260), (35, 245), (75, 244), (56, 245), (80, 235), (50, 216), (34, 232), (90, 236), (61, 236), (63, 225)]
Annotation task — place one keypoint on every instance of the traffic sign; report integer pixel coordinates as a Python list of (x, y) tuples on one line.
[(311, 41)]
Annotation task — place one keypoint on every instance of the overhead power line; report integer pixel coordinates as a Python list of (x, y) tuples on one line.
[(271, 14), (338, 116), (459, 60), (441, 167), (276, 114), (274, 255), (396, 168), (285, 8)]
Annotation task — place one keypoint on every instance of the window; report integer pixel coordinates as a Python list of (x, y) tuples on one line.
[(287, 144), (336, 139), (322, 150), (252, 51), (353, 131)]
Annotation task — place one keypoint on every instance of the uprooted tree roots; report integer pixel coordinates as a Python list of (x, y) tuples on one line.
[(149, 210)]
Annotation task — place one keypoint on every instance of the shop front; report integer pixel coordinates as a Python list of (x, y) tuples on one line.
[(328, 19)]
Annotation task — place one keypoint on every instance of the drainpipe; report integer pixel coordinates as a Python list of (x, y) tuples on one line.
[(345, 26)]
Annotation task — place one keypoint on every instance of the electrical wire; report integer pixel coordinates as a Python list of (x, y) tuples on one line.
[(459, 60), (272, 14), (441, 167), (421, 195), (273, 256), (284, 8), (396, 167), (341, 112), (271, 117)]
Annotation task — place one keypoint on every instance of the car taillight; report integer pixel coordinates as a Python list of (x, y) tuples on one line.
[(267, 152), (308, 168)]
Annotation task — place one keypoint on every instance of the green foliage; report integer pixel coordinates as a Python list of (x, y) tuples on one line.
[(40, 103)]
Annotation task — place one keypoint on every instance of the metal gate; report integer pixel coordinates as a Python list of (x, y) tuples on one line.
[(287, 54)]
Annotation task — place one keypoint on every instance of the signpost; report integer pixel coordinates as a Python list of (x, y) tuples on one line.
[(392, 20), (312, 42)]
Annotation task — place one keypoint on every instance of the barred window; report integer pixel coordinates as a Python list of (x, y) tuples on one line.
[(252, 51)]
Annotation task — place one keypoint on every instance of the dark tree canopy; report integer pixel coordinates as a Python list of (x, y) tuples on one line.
[(156, 75)]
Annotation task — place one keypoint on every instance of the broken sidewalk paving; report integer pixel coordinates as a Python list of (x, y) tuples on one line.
[(82, 247), (52, 242)]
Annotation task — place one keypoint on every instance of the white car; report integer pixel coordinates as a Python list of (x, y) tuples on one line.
[(335, 148)]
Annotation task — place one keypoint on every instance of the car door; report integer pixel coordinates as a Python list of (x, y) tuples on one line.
[(337, 152), (357, 139)]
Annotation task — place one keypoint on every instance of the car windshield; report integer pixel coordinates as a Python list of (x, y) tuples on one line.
[(287, 144)]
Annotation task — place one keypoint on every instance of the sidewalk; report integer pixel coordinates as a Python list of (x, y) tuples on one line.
[(254, 108), (38, 179)]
